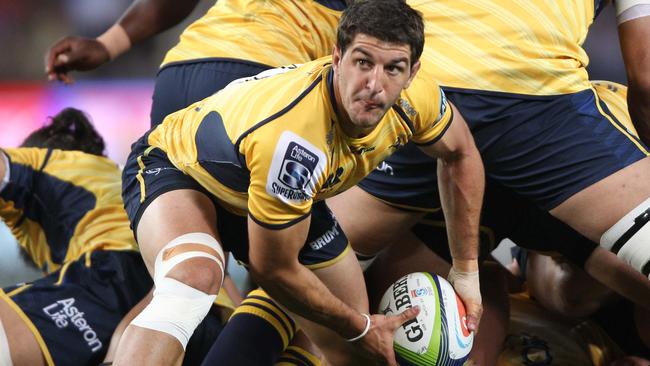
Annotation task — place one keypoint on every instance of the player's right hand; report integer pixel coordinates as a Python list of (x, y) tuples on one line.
[(378, 343), (74, 53)]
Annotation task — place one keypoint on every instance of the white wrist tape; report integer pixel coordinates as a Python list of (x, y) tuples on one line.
[(7, 175), (635, 12), (365, 330), (5, 356), (629, 238), (466, 284), (176, 308), (623, 5), (116, 41)]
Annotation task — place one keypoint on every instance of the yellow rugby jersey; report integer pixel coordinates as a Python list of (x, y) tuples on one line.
[(62, 204), (529, 47), (270, 32), (272, 145)]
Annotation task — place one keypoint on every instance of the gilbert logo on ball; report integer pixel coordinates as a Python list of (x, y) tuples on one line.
[(439, 335)]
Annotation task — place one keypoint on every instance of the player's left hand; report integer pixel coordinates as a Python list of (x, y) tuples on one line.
[(467, 286)]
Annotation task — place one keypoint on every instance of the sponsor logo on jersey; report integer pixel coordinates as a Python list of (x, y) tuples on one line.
[(360, 150), (385, 168), (156, 171), (407, 107), (326, 238), (63, 313), (295, 169)]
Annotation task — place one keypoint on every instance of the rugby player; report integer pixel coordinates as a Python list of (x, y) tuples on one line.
[(233, 155)]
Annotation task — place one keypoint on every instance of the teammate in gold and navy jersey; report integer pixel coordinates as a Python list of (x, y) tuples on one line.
[(65, 210), (517, 71), (272, 148), (234, 39)]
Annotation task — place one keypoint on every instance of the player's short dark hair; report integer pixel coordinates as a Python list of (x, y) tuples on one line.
[(391, 21), (70, 129)]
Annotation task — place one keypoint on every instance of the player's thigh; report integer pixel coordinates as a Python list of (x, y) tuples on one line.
[(23, 346), (598, 207)]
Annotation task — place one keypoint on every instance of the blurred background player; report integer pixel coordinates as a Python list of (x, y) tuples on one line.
[(234, 39), (61, 198)]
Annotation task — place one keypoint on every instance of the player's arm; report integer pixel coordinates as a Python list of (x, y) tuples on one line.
[(275, 267), (461, 182), (142, 20), (634, 32)]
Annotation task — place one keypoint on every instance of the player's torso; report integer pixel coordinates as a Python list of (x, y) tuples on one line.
[(271, 32), (514, 46), (62, 204), (238, 148)]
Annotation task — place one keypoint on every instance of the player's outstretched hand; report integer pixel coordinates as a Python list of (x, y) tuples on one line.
[(468, 288), (74, 53), (378, 343)]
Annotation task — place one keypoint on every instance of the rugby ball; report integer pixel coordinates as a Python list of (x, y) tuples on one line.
[(438, 335)]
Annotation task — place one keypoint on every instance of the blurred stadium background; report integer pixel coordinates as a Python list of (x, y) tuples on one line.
[(117, 96)]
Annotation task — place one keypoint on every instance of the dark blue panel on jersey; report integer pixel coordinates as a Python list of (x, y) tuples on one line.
[(598, 6), (333, 4), (218, 156), (53, 203)]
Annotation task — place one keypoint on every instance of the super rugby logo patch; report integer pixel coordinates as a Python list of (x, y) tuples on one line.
[(296, 167)]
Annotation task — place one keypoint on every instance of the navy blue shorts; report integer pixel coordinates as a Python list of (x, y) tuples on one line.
[(507, 215), (326, 242), (74, 311), (545, 149), (182, 83)]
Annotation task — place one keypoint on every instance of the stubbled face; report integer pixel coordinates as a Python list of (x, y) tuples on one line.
[(368, 78)]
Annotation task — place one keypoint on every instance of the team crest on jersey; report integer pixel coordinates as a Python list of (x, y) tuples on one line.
[(295, 169)]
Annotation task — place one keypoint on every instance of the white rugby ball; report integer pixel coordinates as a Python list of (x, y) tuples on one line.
[(438, 335)]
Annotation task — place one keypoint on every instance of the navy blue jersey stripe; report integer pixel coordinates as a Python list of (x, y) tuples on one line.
[(280, 113), (333, 4), (56, 205), (218, 156)]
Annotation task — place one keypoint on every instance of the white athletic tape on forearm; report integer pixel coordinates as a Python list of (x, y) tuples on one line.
[(176, 308), (635, 12), (466, 284), (116, 41), (629, 238), (5, 356)]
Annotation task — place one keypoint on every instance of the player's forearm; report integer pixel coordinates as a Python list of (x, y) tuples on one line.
[(300, 291), (462, 182), (146, 18)]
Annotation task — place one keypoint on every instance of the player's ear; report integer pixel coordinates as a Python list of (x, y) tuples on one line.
[(414, 70), (336, 57)]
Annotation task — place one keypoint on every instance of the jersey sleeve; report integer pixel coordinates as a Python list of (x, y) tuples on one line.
[(284, 173), (434, 114)]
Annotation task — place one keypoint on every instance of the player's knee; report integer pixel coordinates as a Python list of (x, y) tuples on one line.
[(199, 273), (629, 238), (180, 304)]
